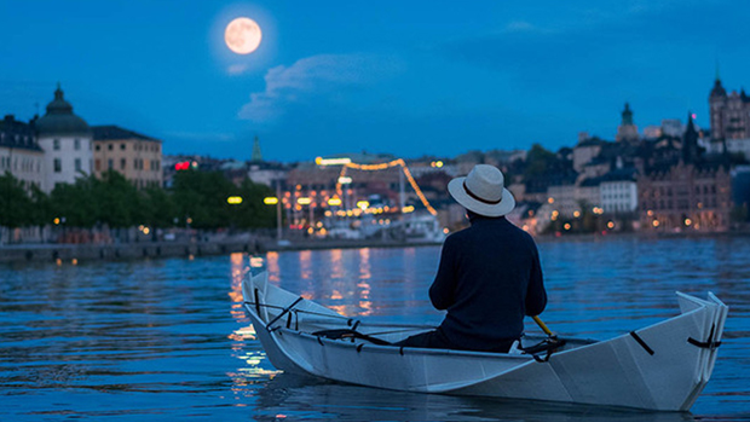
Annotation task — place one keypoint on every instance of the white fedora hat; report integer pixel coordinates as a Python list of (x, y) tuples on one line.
[(483, 191)]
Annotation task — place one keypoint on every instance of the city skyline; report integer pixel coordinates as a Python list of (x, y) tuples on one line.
[(417, 79)]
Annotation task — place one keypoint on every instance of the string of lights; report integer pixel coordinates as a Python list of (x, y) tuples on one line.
[(384, 166)]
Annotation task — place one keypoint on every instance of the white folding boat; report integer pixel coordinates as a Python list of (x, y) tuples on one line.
[(664, 366)]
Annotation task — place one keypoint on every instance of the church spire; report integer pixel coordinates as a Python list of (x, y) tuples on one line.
[(718, 77), (690, 142), (58, 92), (627, 115), (627, 131), (257, 156)]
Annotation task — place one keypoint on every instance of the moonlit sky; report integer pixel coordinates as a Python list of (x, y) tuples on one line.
[(408, 78)]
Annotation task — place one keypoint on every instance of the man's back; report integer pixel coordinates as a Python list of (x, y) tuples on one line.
[(489, 278)]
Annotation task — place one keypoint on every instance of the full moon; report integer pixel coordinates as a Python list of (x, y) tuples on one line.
[(242, 35)]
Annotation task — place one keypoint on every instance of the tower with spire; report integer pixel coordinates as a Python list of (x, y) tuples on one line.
[(627, 131), (730, 113), (717, 102), (257, 156), (690, 142)]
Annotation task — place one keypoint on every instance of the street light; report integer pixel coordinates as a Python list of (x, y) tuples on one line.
[(234, 200), (274, 200)]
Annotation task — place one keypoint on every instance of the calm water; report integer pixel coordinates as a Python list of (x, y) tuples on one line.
[(168, 339)]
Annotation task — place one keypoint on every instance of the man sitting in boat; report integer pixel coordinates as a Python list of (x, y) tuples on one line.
[(489, 276)]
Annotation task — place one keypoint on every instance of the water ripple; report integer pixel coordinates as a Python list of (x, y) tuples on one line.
[(168, 339)]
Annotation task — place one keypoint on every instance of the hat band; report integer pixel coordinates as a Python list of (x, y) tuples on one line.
[(480, 199)]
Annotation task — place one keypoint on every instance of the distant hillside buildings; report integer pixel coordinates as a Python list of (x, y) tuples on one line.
[(672, 177), (689, 191)]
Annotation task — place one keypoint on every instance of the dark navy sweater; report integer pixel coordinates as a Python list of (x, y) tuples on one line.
[(488, 279)]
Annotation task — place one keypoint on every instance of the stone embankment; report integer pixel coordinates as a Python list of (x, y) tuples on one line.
[(95, 252), (42, 253)]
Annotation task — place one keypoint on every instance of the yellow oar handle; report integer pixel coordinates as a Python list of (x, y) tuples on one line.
[(542, 325)]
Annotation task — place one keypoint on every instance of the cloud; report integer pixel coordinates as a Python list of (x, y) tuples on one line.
[(521, 26), (324, 79), (237, 69), (202, 136)]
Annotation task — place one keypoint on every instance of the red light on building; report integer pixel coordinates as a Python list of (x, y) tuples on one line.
[(185, 165)]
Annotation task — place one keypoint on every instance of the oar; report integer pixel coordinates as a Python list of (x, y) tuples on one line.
[(543, 326)]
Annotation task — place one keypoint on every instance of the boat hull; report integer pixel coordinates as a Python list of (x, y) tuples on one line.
[(655, 368)]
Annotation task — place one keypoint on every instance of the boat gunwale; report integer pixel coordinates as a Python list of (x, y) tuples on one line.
[(585, 342), (421, 351)]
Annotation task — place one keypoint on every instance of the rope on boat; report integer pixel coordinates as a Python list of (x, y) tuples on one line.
[(350, 321), (284, 312), (710, 344)]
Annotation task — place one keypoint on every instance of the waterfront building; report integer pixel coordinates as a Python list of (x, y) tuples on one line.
[(627, 131), (588, 193), (19, 152), (137, 157), (564, 198), (619, 191), (687, 192), (67, 143), (741, 191)]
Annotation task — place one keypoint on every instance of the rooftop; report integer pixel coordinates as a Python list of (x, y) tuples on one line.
[(116, 133), (60, 120), (17, 134)]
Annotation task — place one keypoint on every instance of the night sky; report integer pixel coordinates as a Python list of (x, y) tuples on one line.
[(408, 78)]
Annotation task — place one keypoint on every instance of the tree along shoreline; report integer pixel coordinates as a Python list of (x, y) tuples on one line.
[(113, 205)]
